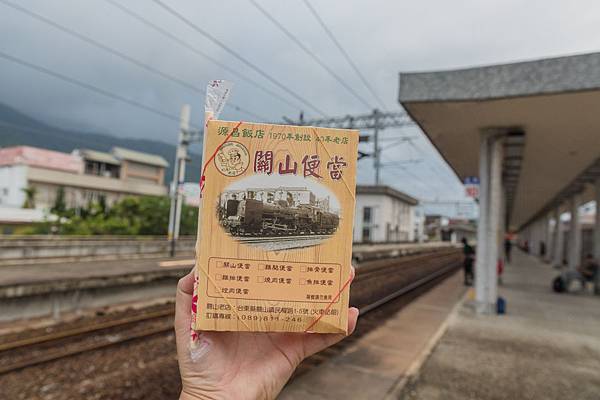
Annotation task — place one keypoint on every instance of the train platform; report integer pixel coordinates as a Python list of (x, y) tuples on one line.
[(376, 365), (547, 346), (81, 270), (45, 287), (38, 290), (372, 251)]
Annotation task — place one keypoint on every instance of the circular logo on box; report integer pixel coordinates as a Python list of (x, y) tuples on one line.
[(232, 159)]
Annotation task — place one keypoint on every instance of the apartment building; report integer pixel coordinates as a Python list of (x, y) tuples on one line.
[(84, 175)]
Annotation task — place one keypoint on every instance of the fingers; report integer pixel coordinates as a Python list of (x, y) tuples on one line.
[(352, 319)]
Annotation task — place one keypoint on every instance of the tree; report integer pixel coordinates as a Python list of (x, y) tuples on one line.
[(146, 215), (30, 192), (189, 220), (60, 206)]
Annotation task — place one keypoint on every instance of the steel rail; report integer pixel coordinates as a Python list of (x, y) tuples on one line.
[(51, 356), (81, 330), (408, 288)]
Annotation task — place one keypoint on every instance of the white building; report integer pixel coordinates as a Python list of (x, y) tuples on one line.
[(84, 176), (383, 214)]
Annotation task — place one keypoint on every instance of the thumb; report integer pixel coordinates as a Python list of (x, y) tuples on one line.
[(183, 310)]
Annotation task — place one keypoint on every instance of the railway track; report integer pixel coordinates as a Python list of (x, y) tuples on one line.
[(250, 239), (376, 284)]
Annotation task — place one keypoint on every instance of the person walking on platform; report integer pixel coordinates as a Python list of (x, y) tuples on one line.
[(469, 253), (507, 248)]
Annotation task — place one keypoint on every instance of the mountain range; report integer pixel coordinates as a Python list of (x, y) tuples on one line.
[(17, 128)]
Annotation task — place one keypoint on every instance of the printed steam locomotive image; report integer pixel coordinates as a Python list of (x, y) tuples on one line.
[(279, 217)]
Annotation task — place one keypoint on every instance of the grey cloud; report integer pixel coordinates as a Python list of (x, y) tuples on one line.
[(383, 37)]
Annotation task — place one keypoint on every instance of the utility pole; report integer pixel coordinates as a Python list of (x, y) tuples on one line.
[(178, 178), (376, 152), (377, 121)]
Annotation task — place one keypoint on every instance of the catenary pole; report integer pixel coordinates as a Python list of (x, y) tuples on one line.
[(179, 178), (376, 158)]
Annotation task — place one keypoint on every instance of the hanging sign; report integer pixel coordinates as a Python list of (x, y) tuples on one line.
[(472, 187)]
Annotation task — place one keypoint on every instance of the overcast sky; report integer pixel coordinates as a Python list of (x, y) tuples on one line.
[(382, 37)]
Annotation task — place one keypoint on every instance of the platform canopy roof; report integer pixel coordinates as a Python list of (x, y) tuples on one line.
[(549, 109)]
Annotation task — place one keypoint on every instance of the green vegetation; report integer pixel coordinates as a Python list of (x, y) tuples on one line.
[(60, 206), (129, 216), (30, 193)]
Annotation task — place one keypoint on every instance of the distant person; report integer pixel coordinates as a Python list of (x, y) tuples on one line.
[(542, 249), (507, 249), (588, 271), (469, 253)]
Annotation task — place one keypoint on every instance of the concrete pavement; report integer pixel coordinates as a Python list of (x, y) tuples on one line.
[(377, 364), (547, 346)]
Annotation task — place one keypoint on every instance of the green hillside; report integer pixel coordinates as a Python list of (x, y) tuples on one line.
[(17, 128)]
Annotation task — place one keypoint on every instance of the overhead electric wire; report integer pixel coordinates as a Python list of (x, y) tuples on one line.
[(119, 54), (396, 142), (416, 191), (238, 56), (409, 173), (312, 55), (87, 86), (344, 52), (200, 53), (435, 171)]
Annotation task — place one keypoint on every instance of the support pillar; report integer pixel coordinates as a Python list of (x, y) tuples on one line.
[(502, 226), (547, 238), (597, 223), (535, 241), (490, 172), (574, 233), (557, 241)]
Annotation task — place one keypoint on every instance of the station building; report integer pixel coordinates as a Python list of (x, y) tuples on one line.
[(443, 229), (530, 131), (84, 175), (383, 214)]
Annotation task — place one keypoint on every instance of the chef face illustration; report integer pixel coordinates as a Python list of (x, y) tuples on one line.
[(232, 159)]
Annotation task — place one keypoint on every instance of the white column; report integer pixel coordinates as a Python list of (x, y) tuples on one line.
[(542, 233), (557, 242), (495, 218), (533, 248), (490, 171), (481, 292), (547, 238), (502, 226), (574, 233), (597, 223), (536, 238), (534, 245)]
